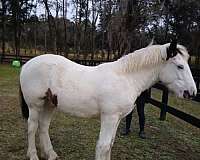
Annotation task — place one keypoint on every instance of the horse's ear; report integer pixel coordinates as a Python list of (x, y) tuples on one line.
[(172, 49)]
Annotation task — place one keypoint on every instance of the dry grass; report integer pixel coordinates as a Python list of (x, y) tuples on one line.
[(75, 138)]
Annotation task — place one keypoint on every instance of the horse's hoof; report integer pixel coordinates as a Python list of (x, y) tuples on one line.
[(53, 155), (34, 157), (126, 132), (142, 135)]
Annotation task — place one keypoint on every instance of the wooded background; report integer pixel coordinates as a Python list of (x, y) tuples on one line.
[(109, 28)]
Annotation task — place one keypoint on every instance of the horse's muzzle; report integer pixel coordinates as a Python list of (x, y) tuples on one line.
[(187, 95)]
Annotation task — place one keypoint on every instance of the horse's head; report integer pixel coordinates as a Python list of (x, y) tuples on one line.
[(176, 74)]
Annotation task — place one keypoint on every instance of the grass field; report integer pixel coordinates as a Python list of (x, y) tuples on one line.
[(75, 138)]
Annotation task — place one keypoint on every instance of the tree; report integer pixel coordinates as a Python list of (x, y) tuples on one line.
[(115, 27), (3, 24), (64, 5)]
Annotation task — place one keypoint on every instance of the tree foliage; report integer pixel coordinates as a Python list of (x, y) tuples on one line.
[(111, 26)]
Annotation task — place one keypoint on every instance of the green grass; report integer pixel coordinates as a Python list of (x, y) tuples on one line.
[(75, 138)]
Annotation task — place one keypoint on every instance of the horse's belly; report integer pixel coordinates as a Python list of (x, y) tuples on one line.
[(79, 107)]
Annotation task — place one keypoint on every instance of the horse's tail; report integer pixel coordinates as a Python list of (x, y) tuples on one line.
[(24, 106)]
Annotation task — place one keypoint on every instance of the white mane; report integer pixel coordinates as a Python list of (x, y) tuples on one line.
[(142, 58)]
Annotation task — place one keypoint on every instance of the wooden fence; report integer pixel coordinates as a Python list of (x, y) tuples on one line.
[(8, 58), (163, 105)]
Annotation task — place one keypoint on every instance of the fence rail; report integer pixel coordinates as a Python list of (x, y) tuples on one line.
[(163, 105), (175, 112), (8, 58)]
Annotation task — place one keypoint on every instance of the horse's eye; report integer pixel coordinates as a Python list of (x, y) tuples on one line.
[(180, 67)]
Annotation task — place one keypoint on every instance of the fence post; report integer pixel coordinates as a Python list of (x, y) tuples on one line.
[(197, 84), (1, 58), (164, 106)]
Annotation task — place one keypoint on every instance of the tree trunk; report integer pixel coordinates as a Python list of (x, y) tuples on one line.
[(79, 26), (94, 21), (17, 30), (52, 26), (3, 29), (92, 57), (76, 30), (65, 26), (86, 26)]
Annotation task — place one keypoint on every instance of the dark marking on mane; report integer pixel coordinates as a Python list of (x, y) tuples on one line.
[(171, 53), (179, 52), (51, 98), (172, 49)]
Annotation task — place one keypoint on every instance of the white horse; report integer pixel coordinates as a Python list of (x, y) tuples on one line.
[(50, 82)]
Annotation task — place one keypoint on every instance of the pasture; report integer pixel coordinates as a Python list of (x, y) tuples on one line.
[(75, 138)]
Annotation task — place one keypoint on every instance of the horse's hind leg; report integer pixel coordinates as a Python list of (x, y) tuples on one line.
[(32, 128), (45, 142)]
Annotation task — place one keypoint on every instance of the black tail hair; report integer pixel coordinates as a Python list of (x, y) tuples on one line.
[(24, 106)]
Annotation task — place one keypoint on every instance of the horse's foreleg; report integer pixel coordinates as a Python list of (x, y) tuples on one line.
[(45, 142), (109, 124), (32, 128)]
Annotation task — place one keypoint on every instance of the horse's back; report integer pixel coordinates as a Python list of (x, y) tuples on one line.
[(41, 67), (48, 59)]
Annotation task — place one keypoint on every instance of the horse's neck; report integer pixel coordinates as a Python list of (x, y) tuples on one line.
[(141, 80), (141, 69)]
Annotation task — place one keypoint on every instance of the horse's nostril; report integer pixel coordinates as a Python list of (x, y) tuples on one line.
[(186, 94)]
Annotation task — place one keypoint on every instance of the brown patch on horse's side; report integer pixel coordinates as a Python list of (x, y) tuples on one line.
[(52, 98)]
